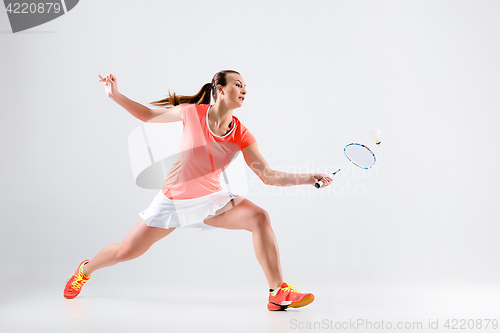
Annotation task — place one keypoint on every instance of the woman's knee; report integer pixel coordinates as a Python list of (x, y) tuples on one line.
[(260, 219)]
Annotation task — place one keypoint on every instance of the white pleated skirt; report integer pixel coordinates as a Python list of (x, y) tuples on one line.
[(167, 213)]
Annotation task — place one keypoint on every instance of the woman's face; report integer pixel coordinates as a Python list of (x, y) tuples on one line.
[(235, 90)]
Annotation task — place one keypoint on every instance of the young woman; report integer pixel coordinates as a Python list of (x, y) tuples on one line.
[(191, 194)]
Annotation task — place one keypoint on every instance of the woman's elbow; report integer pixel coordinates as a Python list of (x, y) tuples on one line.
[(265, 180), (269, 180), (268, 177)]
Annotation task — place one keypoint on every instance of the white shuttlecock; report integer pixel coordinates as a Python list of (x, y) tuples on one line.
[(375, 135)]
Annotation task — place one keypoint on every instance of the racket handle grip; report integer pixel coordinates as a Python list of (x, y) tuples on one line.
[(318, 184)]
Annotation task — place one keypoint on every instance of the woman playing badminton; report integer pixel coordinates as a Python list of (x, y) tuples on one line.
[(191, 194)]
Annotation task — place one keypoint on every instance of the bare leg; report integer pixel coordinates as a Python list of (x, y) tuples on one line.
[(267, 253), (137, 242), (244, 214)]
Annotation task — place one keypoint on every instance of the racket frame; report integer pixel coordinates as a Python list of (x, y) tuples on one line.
[(318, 184)]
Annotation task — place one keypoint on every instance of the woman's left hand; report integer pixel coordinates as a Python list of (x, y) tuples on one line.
[(326, 179)]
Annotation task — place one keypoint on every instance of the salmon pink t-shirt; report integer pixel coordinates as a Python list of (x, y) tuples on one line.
[(202, 154)]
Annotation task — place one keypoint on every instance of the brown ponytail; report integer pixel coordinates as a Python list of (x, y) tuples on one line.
[(202, 97)]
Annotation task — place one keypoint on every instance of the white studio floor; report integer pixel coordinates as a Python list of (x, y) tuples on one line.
[(241, 309)]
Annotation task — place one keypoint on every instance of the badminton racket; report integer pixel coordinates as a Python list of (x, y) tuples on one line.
[(359, 155)]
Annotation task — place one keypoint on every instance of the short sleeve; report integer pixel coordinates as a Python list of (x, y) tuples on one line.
[(247, 138)]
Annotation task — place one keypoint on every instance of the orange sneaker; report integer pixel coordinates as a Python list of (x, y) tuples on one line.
[(288, 296), (76, 281)]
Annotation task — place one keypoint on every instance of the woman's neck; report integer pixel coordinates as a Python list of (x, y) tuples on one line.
[(220, 116)]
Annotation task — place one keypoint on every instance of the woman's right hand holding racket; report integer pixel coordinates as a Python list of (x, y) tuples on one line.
[(110, 85), (321, 179)]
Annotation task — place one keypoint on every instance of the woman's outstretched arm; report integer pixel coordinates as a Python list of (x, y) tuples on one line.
[(258, 164), (137, 110)]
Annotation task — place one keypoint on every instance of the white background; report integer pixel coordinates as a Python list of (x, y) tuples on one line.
[(319, 75)]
